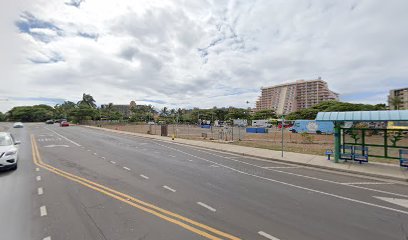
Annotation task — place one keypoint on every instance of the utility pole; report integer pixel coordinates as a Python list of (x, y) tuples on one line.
[(282, 123)]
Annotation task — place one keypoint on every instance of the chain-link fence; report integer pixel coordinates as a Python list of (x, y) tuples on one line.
[(296, 142)]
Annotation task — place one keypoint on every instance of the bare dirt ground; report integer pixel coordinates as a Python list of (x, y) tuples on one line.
[(293, 142)]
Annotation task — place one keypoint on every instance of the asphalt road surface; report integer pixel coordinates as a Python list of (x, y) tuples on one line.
[(80, 183)]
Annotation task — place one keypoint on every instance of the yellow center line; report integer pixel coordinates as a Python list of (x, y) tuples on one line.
[(147, 207)]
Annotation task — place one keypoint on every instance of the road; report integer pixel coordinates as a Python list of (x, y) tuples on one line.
[(80, 183)]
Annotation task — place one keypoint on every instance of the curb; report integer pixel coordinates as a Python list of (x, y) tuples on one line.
[(255, 156)]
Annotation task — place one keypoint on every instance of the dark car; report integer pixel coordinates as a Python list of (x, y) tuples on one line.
[(49, 121)]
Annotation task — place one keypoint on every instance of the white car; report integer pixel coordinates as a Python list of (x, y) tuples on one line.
[(8, 151), (18, 125)]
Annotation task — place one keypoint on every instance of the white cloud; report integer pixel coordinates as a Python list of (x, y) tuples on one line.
[(201, 53)]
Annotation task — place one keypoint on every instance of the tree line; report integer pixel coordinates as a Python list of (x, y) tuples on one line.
[(86, 109)]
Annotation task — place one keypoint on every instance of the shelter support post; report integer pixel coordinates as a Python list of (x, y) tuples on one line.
[(337, 142)]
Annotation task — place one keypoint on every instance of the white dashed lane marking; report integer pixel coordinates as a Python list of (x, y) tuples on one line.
[(207, 206), (268, 236), (126, 168), (112, 162), (143, 176), (37, 169), (40, 191), (169, 188), (47, 238), (38, 178), (43, 211)]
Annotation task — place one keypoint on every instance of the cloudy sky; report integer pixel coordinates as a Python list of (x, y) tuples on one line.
[(204, 53)]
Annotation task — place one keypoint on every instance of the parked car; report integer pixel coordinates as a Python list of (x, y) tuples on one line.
[(60, 120), (49, 122), (18, 125), (8, 152), (64, 124)]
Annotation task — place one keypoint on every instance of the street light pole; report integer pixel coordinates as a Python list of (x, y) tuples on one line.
[(283, 120)]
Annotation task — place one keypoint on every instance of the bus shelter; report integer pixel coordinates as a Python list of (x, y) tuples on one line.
[(380, 134)]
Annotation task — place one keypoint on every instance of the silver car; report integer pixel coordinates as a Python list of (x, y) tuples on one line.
[(18, 125), (8, 151)]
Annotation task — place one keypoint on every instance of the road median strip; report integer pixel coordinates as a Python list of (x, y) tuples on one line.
[(186, 223)]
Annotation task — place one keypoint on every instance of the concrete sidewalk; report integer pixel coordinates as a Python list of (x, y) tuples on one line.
[(379, 170)]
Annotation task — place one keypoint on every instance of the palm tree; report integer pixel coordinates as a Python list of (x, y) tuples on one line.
[(395, 102), (109, 107), (87, 99), (164, 112)]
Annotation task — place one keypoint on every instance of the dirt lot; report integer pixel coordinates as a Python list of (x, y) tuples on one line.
[(293, 142)]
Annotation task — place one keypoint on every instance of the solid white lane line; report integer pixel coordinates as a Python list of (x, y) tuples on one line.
[(76, 144), (206, 206), (294, 174), (143, 176), (43, 211), (112, 162), (294, 185), (268, 236), (47, 238), (37, 169), (126, 168), (38, 178), (278, 167), (169, 188), (367, 183), (40, 191)]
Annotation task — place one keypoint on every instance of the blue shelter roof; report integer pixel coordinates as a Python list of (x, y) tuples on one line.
[(368, 116)]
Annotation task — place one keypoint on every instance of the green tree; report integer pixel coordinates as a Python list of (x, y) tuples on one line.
[(109, 112), (265, 114), (395, 102), (2, 117), (332, 106), (36, 113), (235, 113), (84, 112), (64, 110)]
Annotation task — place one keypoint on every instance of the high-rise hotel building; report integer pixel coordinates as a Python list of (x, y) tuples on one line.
[(290, 97)]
